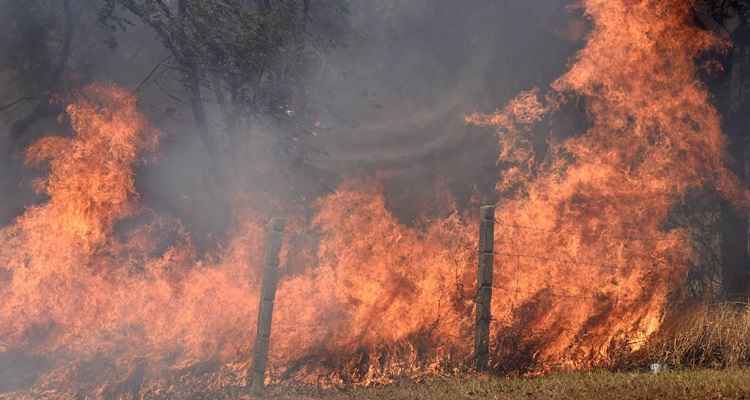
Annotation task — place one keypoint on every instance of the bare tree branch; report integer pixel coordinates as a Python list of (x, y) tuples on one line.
[(151, 74), (16, 102)]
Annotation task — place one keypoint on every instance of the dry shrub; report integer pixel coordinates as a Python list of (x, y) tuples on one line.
[(713, 336)]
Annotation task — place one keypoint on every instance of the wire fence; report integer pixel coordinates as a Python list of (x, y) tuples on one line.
[(512, 255), (639, 237)]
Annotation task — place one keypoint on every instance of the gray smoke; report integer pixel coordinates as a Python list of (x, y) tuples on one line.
[(391, 101)]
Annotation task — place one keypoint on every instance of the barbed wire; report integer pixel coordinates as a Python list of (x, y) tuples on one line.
[(507, 251), (630, 238), (573, 260), (551, 293)]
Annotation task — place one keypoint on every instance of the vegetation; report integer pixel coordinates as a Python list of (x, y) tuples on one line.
[(596, 385), (706, 336), (581, 386), (244, 65), (253, 56), (677, 385)]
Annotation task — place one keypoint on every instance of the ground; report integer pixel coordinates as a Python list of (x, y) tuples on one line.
[(672, 385), (676, 385)]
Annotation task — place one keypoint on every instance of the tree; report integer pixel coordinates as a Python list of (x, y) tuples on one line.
[(38, 41), (252, 54), (730, 19), (250, 58)]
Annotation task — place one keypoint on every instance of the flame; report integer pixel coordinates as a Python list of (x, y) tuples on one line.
[(584, 263), (82, 287), (598, 203), (75, 289), (379, 282)]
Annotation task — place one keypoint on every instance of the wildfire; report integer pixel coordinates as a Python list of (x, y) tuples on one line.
[(584, 264), (598, 204), (77, 291)]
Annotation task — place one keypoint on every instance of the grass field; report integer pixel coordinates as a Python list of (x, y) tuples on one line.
[(677, 385), (703, 384)]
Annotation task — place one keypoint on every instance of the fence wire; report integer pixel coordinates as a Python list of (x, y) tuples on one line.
[(634, 238), (506, 251)]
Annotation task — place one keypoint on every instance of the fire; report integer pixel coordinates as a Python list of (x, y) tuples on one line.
[(379, 283), (83, 289), (584, 265), (597, 205), (76, 290)]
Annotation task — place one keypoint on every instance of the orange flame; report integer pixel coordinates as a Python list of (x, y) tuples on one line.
[(597, 207), (583, 262), (76, 289)]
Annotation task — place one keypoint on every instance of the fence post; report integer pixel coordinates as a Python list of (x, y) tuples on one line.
[(265, 308), (484, 287)]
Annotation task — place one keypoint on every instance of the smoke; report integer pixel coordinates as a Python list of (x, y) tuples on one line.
[(395, 98), (391, 102), (379, 265), (391, 99)]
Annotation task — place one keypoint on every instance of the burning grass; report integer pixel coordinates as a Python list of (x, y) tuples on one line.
[(688, 385), (584, 262)]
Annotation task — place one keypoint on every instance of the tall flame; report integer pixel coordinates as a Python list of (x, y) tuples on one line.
[(75, 289), (600, 200), (584, 263)]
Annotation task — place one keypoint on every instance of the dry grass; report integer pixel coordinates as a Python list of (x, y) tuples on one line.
[(707, 350), (710, 336), (679, 385), (733, 384)]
